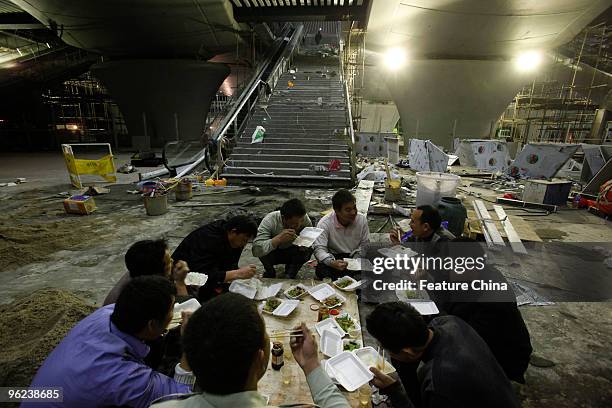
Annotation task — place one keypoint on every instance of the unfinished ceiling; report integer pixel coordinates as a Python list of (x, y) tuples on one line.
[(460, 74)]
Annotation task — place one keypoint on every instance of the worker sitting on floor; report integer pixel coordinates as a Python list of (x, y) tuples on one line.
[(229, 356), (151, 257), (100, 363), (275, 235), (344, 233), (456, 369), (427, 233), (215, 249)]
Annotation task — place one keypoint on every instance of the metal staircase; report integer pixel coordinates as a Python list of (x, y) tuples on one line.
[(305, 130)]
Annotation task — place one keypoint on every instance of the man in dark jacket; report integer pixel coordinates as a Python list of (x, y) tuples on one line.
[(457, 368), (215, 250)]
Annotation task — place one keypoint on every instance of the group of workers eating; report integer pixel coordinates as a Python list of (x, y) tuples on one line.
[(465, 356)]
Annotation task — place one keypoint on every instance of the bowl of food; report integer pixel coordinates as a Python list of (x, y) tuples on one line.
[(296, 292), (333, 301), (271, 304)]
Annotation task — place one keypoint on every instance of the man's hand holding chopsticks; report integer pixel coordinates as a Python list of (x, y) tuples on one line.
[(304, 349)]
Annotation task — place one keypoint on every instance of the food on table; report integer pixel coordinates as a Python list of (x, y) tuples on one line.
[(343, 283), (346, 322), (351, 345), (411, 294), (332, 301), (271, 304), (296, 291)]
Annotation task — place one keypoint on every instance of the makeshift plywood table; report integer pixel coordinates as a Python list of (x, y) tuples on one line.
[(297, 391)]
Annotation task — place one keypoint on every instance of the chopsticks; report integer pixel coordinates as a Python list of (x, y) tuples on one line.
[(287, 333), (380, 365)]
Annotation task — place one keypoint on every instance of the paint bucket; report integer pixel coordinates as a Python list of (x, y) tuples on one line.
[(156, 205), (393, 190), (184, 191), (431, 186)]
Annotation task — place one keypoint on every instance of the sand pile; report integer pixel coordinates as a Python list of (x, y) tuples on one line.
[(31, 327)]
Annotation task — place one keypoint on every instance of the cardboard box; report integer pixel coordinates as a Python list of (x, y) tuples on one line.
[(80, 204), (547, 192)]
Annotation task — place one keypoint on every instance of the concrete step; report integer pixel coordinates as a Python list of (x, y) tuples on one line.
[(279, 164), (296, 172), (322, 157), (298, 148), (289, 180), (298, 140)]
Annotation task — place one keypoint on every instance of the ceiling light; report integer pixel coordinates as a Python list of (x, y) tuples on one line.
[(395, 58), (528, 61)]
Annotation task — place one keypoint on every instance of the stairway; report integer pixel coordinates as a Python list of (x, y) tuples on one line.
[(303, 133)]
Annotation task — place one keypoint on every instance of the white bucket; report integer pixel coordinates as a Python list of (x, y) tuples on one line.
[(432, 186)]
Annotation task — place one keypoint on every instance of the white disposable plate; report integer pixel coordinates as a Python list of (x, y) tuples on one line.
[(321, 291), (295, 286), (243, 289), (190, 305), (341, 299), (369, 357), (196, 279), (286, 308), (350, 288), (425, 308), (355, 322), (263, 304), (329, 372), (350, 372), (331, 343), (329, 324), (268, 291)]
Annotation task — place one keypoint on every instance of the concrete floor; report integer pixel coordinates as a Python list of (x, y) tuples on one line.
[(84, 254)]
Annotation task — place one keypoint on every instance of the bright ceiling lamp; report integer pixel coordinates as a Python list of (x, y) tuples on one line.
[(528, 61), (394, 58)]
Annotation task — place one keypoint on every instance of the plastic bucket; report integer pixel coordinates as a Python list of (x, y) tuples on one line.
[(184, 191), (431, 186), (156, 205)]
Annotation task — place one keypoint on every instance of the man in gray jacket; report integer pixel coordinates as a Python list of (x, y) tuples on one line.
[(273, 244), (228, 349)]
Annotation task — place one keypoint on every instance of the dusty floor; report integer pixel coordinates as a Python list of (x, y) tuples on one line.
[(42, 247)]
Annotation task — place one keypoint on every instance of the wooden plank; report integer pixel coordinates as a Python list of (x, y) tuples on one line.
[(488, 223), (513, 238), (297, 391), (363, 196)]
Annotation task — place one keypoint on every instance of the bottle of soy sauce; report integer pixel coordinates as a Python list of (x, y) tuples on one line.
[(277, 355)]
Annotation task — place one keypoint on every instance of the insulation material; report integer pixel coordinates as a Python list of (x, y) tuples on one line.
[(595, 156), (541, 160), (423, 155), (487, 155), (372, 144)]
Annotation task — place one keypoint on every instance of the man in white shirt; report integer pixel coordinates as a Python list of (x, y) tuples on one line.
[(345, 232)]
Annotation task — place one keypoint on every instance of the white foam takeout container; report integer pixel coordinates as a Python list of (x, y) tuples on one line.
[(349, 371), (369, 357), (339, 296), (321, 291), (196, 279), (425, 307), (243, 288), (268, 291), (285, 308), (355, 322), (330, 324), (350, 288), (331, 343), (296, 297)]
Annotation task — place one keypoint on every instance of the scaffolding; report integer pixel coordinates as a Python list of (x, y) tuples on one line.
[(559, 106), (353, 62), (81, 111)]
